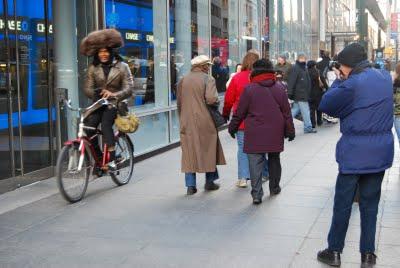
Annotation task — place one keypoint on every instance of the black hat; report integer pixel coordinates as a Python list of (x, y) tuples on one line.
[(262, 66), (311, 63), (352, 55)]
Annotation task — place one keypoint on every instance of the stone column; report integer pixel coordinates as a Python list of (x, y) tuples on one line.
[(65, 55)]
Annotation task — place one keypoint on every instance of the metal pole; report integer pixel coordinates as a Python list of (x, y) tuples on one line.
[(397, 38), (21, 153), (362, 24), (8, 85)]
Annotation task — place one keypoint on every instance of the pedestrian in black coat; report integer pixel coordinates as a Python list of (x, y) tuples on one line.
[(316, 94), (299, 89)]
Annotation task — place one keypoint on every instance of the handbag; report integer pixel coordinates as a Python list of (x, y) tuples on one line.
[(213, 109), (126, 121)]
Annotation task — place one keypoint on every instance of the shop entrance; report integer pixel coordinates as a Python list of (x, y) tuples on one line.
[(26, 111)]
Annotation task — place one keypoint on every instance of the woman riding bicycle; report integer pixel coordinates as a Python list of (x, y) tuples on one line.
[(107, 77)]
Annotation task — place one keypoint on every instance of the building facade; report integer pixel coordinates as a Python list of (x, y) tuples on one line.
[(39, 53), (350, 21), (291, 28)]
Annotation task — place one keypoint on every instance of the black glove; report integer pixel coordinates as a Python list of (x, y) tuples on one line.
[(291, 136)]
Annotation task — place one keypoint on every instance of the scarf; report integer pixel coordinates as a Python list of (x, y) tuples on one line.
[(263, 77)]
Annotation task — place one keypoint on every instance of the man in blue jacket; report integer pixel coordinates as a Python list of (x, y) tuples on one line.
[(362, 97)]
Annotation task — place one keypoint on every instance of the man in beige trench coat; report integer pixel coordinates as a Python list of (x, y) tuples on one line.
[(201, 148)]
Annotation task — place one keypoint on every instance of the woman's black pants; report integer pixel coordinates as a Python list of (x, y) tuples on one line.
[(315, 115), (106, 117), (256, 165)]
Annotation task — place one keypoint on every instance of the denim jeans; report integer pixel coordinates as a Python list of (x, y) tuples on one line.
[(303, 108), (190, 178), (243, 160), (370, 192), (397, 126)]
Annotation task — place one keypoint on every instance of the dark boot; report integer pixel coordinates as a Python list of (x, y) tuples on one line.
[(211, 186), (275, 191), (191, 190), (257, 201), (368, 260), (329, 257)]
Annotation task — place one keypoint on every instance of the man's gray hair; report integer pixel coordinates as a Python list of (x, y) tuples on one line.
[(301, 55)]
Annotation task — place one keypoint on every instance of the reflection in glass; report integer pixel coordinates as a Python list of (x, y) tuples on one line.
[(152, 133), (220, 43), (249, 26), (189, 36), (142, 25)]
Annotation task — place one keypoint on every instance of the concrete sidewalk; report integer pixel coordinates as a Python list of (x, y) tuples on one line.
[(152, 223)]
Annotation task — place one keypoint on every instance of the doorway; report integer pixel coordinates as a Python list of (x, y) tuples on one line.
[(26, 110)]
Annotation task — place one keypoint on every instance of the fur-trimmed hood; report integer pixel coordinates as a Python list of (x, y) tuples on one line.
[(107, 38)]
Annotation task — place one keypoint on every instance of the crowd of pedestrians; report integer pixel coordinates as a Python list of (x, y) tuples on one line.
[(260, 103)]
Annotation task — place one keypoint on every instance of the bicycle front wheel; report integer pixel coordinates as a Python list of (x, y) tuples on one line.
[(124, 161), (73, 173)]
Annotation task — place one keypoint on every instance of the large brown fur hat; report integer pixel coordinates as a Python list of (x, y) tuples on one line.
[(107, 38)]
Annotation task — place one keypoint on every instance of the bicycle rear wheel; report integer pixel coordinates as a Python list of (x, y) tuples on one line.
[(72, 182), (124, 162)]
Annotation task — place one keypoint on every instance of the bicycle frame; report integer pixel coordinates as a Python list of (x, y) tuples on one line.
[(83, 140)]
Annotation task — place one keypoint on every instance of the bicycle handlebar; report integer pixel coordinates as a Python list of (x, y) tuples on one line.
[(101, 102)]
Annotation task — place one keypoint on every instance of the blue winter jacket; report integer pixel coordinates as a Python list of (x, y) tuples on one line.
[(364, 104)]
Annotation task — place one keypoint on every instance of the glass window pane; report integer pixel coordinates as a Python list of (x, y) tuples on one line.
[(152, 133), (175, 130), (189, 36), (143, 27), (224, 41), (249, 32)]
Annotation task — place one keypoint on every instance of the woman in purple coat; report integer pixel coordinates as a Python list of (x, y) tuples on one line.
[(266, 111)]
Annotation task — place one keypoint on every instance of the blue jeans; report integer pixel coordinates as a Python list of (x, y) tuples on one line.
[(397, 126), (303, 108), (190, 178), (370, 192), (243, 160)]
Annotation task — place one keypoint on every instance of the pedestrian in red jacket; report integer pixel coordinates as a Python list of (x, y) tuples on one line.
[(232, 97)]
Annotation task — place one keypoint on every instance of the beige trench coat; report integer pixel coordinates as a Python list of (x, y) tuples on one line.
[(201, 148)]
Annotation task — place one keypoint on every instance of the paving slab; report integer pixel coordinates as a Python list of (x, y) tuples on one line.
[(152, 223)]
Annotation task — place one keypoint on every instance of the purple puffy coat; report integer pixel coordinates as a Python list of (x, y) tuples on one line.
[(265, 109)]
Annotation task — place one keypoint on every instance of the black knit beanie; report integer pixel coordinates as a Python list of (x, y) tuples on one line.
[(352, 55), (262, 66)]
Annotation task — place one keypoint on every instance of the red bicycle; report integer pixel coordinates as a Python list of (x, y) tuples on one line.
[(78, 161)]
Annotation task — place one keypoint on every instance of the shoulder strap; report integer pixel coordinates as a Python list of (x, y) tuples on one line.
[(205, 79)]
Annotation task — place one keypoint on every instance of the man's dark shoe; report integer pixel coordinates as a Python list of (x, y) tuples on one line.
[(211, 186), (191, 190), (276, 190), (329, 257), (257, 201), (311, 131), (368, 260)]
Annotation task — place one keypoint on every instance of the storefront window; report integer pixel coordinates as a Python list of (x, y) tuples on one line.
[(224, 41), (24, 99), (249, 30), (189, 36), (143, 26), (290, 28)]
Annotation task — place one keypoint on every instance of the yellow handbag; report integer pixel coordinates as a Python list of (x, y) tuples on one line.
[(128, 123)]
